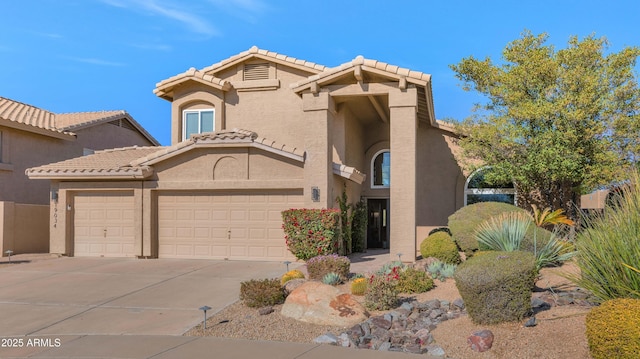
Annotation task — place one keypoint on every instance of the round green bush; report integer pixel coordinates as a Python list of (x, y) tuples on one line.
[(464, 221), (496, 287), (414, 281), (613, 329), (440, 245)]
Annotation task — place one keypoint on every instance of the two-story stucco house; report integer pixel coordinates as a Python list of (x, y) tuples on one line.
[(30, 136), (255, 134)]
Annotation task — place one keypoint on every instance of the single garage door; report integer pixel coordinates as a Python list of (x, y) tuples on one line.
[(224, 225), (104, 224)]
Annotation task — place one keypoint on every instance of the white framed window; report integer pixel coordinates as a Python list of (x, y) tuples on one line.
[(476, 189), (197, 121), (381, 169)]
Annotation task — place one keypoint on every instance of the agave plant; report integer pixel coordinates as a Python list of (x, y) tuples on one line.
[(331, 278), (504, 232)]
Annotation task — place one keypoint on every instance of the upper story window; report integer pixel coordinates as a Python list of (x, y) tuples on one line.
[(381, 169), (197, 121), (477, 189)]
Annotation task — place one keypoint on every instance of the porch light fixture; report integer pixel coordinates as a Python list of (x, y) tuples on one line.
[(204, 309), (315, 194), (54, 195)]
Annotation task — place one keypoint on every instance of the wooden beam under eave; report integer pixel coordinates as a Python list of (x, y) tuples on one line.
[(364, 89), (379, 109), (357, 73)]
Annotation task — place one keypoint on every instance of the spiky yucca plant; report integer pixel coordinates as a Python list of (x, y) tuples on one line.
[(331, 279)]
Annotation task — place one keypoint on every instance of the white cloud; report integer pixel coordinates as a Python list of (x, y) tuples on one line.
[(165, 9), (95, 61)]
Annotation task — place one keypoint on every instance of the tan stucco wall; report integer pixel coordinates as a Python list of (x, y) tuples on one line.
[(24, 228)]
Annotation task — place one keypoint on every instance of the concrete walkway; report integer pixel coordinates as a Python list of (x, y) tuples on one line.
[(130, 308)]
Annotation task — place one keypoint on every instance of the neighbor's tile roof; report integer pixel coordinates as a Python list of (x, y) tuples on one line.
[(63, 123), (77, 119), (22, 113), (110, 162)]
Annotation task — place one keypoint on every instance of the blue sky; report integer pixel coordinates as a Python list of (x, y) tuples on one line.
[(90, 55)]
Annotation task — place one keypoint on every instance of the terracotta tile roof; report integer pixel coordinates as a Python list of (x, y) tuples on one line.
[(22, 113), (366, 63), (61, 123), (79, 119), (266, 54), (164, 87), (227, 137), (107, 163)]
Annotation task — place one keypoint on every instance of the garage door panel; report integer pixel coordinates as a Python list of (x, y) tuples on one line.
[(227, 225), (104, 224)]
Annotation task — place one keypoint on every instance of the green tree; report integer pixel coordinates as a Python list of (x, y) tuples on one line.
[(556, 123)]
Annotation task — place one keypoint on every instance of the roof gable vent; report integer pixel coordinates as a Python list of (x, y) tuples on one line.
[(256, 71)]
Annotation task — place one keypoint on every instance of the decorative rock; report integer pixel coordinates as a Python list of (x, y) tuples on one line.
[(380, 322), (291, 285), (435, 350), (385, 346), (532, 322), (326, 339), (433, 304), (265, 310), (459, 303), (318, 303), (424, 336), (407, 306), (481, 341)]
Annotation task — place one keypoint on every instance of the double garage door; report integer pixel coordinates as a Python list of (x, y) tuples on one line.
[(205, 225), (224, 225)]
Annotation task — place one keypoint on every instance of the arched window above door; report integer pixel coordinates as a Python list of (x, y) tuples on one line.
[(476, 189), (381, 169)]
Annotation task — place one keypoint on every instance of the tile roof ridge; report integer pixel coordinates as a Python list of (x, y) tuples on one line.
[(253, 50), (122, 112), (127, 148)]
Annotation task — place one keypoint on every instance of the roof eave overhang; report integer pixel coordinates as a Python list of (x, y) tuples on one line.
[(165, 89), (256, 55), (349, 173), (62, 135), (131, 174), (124, 115), (218, 144)]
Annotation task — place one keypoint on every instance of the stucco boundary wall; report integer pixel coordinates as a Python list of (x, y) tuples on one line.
[(24, 228)]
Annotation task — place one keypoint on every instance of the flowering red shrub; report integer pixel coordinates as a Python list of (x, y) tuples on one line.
[(311, 232)]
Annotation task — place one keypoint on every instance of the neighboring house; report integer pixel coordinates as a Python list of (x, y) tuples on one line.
[(255, 134), (30, 136)]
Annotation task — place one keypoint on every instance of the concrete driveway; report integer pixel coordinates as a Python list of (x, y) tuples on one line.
[(114, 296)]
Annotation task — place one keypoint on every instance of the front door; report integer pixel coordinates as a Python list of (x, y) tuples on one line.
[(378, 223)]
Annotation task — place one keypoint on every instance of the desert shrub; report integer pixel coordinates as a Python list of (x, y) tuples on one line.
[(261, 292), (613, 329), (390, 268), (440, 245), (441, 271), (439, 229), (382, 292), (292, 274), (359, 286), (311, 232), (331, 278), (464, 221), (496, 287), (608, 247), (319, 266), (507, 232), (412, 280)]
